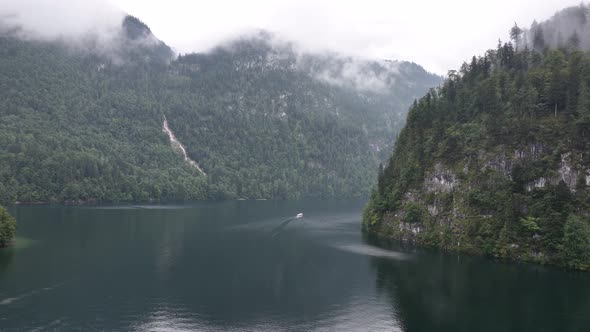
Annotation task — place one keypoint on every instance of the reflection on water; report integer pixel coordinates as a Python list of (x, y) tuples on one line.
[(218, 267), (20, 243), (6, 257), (449, 292), (207, 266), (355, 317)]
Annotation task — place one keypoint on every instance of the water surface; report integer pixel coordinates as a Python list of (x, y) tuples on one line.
[(248, 266)]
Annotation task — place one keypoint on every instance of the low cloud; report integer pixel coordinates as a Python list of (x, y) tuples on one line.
[(569, 27), (329, 67), (439, 35), (362, 75), (89, 26), (61, 19)]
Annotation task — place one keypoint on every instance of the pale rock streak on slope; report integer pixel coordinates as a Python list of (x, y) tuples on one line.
[(176, 144)]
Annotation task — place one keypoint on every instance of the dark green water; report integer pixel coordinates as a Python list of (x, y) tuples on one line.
[(232, 266)]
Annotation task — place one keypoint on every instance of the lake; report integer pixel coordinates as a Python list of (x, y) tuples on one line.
[(248, 266)]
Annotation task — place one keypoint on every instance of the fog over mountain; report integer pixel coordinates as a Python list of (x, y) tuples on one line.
[(375, 29), (567, 28), (260, 116), (61, 19)]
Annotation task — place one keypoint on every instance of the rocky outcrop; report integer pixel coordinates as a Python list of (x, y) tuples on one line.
[(499, 163), (566, 172), (440, 180), (537, 184), (492, 166), (532, 151)]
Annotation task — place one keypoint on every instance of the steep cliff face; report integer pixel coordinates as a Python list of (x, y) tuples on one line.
[(496, 161)]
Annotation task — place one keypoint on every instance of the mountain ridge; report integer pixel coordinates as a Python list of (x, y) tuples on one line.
[(85, 124)]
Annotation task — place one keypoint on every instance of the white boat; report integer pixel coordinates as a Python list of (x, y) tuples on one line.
[(299, 215)]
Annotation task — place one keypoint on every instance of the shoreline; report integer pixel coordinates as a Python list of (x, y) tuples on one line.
[(9, 245), (96, 202), (413, 241)]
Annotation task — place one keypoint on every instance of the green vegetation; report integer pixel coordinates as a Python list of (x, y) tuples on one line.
[(576, 243), (498, 157), (7, 227), (79, 125)]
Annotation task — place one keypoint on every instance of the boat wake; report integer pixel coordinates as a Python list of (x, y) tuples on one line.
[(277, 230)]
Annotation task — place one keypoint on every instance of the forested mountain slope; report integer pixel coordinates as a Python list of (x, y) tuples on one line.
[(84, 122), (76, 127), (497, 160), (263, 123)]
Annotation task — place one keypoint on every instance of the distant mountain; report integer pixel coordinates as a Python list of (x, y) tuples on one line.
[(84, 121), (496, 161), (139, 39), (385, 88)]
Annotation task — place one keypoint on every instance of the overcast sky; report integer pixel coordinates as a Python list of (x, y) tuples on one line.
[(436, 34)]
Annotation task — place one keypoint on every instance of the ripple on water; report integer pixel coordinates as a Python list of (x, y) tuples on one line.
[(363, 314), (10, 300), (368, 250)]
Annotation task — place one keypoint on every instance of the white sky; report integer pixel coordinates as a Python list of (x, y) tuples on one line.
[(436, 34)]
